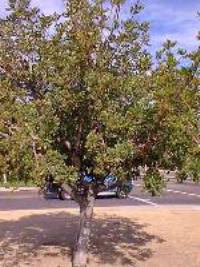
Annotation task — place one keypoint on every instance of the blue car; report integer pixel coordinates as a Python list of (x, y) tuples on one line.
[(110, 186)]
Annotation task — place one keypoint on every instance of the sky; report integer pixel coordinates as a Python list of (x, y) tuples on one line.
[(169, 19)]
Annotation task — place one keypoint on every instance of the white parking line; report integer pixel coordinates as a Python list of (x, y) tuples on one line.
[(182, 192), (147, 201)]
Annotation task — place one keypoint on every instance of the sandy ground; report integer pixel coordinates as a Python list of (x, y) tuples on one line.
[(124, 236)]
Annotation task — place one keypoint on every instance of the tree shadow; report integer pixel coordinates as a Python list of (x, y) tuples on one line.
[(114, 239)]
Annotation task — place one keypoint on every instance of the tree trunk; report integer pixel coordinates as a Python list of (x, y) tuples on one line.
[(80, 253), (5, 178)]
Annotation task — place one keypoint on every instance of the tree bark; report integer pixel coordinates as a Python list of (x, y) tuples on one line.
[(5, 178), (80, 253)]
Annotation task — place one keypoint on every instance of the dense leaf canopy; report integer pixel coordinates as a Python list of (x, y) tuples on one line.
[(79, 92)]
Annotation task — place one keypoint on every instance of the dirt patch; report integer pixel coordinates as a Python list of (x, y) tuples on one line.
[(124, 236)]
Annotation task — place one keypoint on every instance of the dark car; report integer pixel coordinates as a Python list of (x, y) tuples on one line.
[(111, 186), (53, 189)]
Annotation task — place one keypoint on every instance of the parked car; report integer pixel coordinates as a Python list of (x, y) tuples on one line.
[(110, 186), (53, 189)]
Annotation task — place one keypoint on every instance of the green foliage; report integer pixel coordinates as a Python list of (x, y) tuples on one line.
[(192, 165), (153, 182), (16, 183)]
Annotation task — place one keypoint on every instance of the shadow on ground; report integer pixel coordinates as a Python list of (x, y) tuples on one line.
[(114, 240)]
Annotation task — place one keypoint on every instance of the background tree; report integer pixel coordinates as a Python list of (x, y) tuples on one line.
[(80, 95), (24, 107)]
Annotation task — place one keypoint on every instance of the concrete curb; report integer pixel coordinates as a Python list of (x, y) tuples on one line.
[(17, 189)]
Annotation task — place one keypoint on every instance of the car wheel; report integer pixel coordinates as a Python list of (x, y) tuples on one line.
[(121, 193), (63, 195)]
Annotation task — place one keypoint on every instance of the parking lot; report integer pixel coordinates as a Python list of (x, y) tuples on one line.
[(187, 194)]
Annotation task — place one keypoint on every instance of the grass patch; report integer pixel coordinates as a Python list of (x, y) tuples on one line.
[(18, 183)]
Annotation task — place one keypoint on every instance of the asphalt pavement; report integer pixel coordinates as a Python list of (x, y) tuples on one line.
[(187, 194)]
